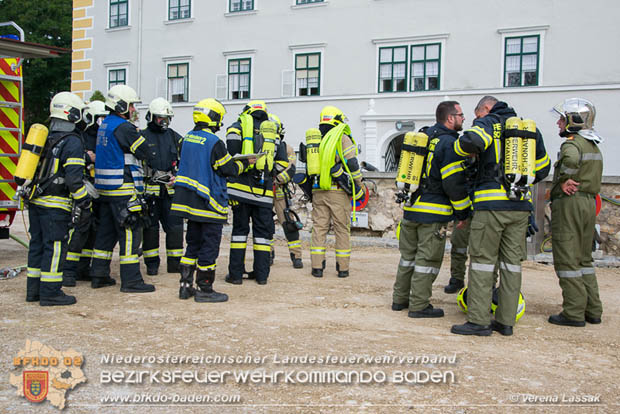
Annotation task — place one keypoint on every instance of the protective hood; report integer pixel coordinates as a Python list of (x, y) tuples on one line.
[(60, 125), (591, 135)]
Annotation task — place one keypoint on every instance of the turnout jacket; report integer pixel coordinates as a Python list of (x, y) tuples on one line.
[(485, 140), (164, 147), (444, 190), (247, 188), (64, 164), (120, 150), (580, 160), (200, 185)]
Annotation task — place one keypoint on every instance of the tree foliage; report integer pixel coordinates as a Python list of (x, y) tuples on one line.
[(97, 96), (48, 22)]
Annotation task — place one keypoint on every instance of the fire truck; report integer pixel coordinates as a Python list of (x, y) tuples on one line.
[(13, 51)]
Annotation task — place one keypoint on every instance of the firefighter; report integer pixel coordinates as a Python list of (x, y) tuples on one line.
[(164, 147), (119, 179), (201, 197), (458, 257), (339, 178), (441, 197), (500, 220), (252, 192), (291, 232), (57, 189), (80, 249), (576, 181)]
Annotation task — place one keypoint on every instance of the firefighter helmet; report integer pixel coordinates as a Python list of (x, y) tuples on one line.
[(160, 108), (210, 111), (331, 115), (92, 111), (578, 112), (67, 106), (279, 125), (461, 300), (254, 106), (120, 97)]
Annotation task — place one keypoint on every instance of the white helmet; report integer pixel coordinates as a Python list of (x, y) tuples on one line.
[(120, 97), (67, 106), (160, 107), (93, 110)]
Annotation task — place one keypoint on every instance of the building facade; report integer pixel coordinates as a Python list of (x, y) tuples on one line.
[(380, 61)]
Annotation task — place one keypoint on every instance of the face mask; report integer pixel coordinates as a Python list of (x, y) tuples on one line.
[(99, 120)]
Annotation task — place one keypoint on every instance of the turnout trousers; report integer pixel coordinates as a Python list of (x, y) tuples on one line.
[(496, 237), (262, 231), (333, 207), (111, 232), (572, 230), (49, 233), (292, 237), (172, 226), (421, 246)]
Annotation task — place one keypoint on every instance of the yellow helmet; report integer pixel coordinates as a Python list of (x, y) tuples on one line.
[(210, 111), (254, 106), (331, 115), (280, 127), (461, 300), (67, 106)]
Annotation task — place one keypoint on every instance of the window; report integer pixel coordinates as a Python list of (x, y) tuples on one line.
[(308, 74), (119, 12), (425, 65), (117, 77), (241, 5), (179, 9), (521, 61), (393, 69), (178, 82), (239, 78), (308, 1)]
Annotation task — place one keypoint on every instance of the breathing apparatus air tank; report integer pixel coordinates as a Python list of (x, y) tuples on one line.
[(267, 144), (512, 153), (313, 160), (519, 156), (31, 154), (528, 152), (411, 163)]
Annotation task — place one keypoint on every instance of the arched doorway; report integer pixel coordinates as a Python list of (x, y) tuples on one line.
[(392, 153)]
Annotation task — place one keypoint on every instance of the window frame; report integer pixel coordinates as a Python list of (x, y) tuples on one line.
[(168, 78), (425, 61), (308, 68), (228, 77), (521, 54), (170, 19), (117, 3), (306, 2), (241, 10), (116, 70), (379, 64)]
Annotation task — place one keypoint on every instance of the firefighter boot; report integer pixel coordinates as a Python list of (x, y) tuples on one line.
[(186, 290), (297, 263), (32, 289), (205, 292)]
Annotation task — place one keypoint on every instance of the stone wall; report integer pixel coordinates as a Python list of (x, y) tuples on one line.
[(384, 213)]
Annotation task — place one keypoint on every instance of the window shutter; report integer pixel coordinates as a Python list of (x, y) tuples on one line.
[(288, 83), (221, 87)]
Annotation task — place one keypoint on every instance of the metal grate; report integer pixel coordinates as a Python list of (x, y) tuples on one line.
[(392, 155)]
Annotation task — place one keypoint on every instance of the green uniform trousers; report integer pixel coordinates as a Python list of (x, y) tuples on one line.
[(496, 237), (572, 229), (458, 254), (421, 247)]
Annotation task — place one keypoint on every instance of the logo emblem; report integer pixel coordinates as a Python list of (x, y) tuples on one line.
[(35, 385)]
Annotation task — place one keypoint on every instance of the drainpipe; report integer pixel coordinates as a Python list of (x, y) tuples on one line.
[(139, 80)]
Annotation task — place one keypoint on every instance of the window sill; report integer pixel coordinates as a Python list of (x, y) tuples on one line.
[(240, 13), (118, 28), (179, 21), (309, 5)]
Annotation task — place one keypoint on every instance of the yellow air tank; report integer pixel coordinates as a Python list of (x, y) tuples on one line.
[(31, 153), (269, 133), (512, 147), (528, 152), (313, 160), (411, 161)]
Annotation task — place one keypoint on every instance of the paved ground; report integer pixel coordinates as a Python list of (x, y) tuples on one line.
[(542, 368)]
